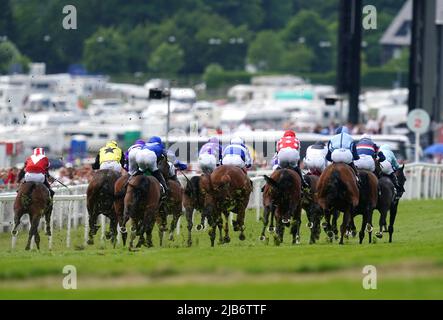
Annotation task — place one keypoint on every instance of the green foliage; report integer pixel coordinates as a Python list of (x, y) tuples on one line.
[(105, 51), (266, 51), (9, 56), (297, 59), (166, 59)]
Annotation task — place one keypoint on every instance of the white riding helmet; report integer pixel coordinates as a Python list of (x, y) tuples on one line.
[(237, 140), (39, 151)]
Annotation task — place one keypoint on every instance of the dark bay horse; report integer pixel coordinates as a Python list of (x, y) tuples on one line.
[(172, 205), (366, 205), (100, 200), (313, 210), (193, 199), (387, 202), (141, 206), (120, 187), (227, 189), (338, 191), (33, 199), (282, 197)]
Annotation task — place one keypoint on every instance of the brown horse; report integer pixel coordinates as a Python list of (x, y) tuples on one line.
[(387, 202), (100, 200), (172, 205), (141, 205), (120, 187), (227, 189), (313, 210), (193, 199), (32, 199), (366, 204), (282, 196), (338, 191)]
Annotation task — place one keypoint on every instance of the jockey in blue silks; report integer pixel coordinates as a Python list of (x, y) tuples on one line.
[(210, 155), (130, 155), (237, 154), (368, 152), (389, 166), (342, 149)]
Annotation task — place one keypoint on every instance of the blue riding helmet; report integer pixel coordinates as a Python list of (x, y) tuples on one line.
[(139, 141), (155, 139), (342, 129)]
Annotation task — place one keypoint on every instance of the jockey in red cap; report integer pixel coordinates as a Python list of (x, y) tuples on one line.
[(36, 168), (288, 154)]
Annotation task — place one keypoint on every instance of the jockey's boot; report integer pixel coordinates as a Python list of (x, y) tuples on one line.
[(159, 176), (398, 189), (357, 175), (305, 186), (52, 192)]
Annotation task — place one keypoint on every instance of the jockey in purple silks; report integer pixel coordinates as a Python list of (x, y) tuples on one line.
[(130, 155), (210, 155)]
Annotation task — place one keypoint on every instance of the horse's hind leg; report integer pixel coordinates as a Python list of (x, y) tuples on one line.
[(33, 232), (226, 239), (345, 224), (189, 213), (48, 213), (271, 226), (266, 212), (327, 225), (382, 223), (92, 227), (392, 216), (364, 221), (335, 216), (174, 222), (295, 228)]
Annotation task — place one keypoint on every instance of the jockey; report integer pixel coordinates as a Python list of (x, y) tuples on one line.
[(288, 154), (148, 158), (174, 164), (342, 149), (315, 159), (131, 156), (37, 169), (237, 154), (210, 155), (389, 166), (109, 157), (368, 152)]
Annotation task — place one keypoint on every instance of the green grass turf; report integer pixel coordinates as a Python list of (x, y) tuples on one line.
[(409, 268)]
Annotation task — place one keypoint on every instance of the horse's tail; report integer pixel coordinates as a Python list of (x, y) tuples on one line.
[(28, 195), (364, 182), (286, 182), (140, 190), (192, 187), (226, 180), (333, 187), (121, 193)]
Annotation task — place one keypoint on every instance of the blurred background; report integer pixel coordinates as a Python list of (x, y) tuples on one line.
[(251, 68)]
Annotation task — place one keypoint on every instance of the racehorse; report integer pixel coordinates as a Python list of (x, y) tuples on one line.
[(100, 200), (172, 204), (387, 202), (282, 197), (366, 205), (193, 199), (141, 205), (313, 210), (338, 191), (33, 199), (227, 189), (120, 187)]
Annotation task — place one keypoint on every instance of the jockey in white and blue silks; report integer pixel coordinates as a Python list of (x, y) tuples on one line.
[(210, 155), (237, 154), (389, 166), (315, 159), (148, 157), (131, 156), (342, 149)]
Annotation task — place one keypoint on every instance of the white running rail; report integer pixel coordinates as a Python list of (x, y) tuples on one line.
[(424, 181)]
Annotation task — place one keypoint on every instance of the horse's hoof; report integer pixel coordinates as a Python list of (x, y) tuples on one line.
[(271, 229), (199, 227), (242, 237), (310, 225), (330, 234), (171, 238), (353, 233), (262, 238), (226, 239), (379, 235), (28, 248), (14, 233), (90, 242)]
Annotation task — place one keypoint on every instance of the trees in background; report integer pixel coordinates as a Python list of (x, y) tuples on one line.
[(274, 35)]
